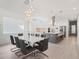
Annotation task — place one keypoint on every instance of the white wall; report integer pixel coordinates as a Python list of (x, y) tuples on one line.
[(39, 22), (11, 25), (4, 37), (78, 32)]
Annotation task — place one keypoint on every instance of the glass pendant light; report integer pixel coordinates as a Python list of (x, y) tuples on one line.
[(29, 10)]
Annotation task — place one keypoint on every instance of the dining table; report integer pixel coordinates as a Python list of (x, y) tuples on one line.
[(31, 40)]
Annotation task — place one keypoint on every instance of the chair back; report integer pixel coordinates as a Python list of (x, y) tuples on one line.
[(23, 47), (43, 35), (20, 34), (43, 45), (17, 42), (12, 40)]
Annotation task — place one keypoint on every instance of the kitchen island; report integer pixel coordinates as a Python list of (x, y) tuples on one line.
[(55, 37)]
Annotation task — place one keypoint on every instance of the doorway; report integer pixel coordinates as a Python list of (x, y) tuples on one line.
[(73, 28)]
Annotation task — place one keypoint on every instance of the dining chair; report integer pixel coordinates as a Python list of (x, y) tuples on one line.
[(18, 53), (13, 43), (20, 34), (27, 50), (42, 46)]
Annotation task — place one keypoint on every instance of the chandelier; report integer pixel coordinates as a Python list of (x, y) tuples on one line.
[(29, 10)]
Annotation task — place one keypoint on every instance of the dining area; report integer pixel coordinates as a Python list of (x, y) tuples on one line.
[(39, 29), (31, 37), (33, 46)]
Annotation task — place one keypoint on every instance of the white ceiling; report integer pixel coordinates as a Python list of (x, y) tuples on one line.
[(16, 6), (43, 6)]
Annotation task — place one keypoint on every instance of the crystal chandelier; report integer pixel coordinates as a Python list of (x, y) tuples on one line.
[(29, 10)]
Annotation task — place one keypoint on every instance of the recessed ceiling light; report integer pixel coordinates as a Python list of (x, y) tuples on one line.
[(74, 8)]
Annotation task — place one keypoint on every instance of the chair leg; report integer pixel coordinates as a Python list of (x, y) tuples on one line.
[(44, 54), (18, 53), (14, 49), (34, 54), (23, 57)]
